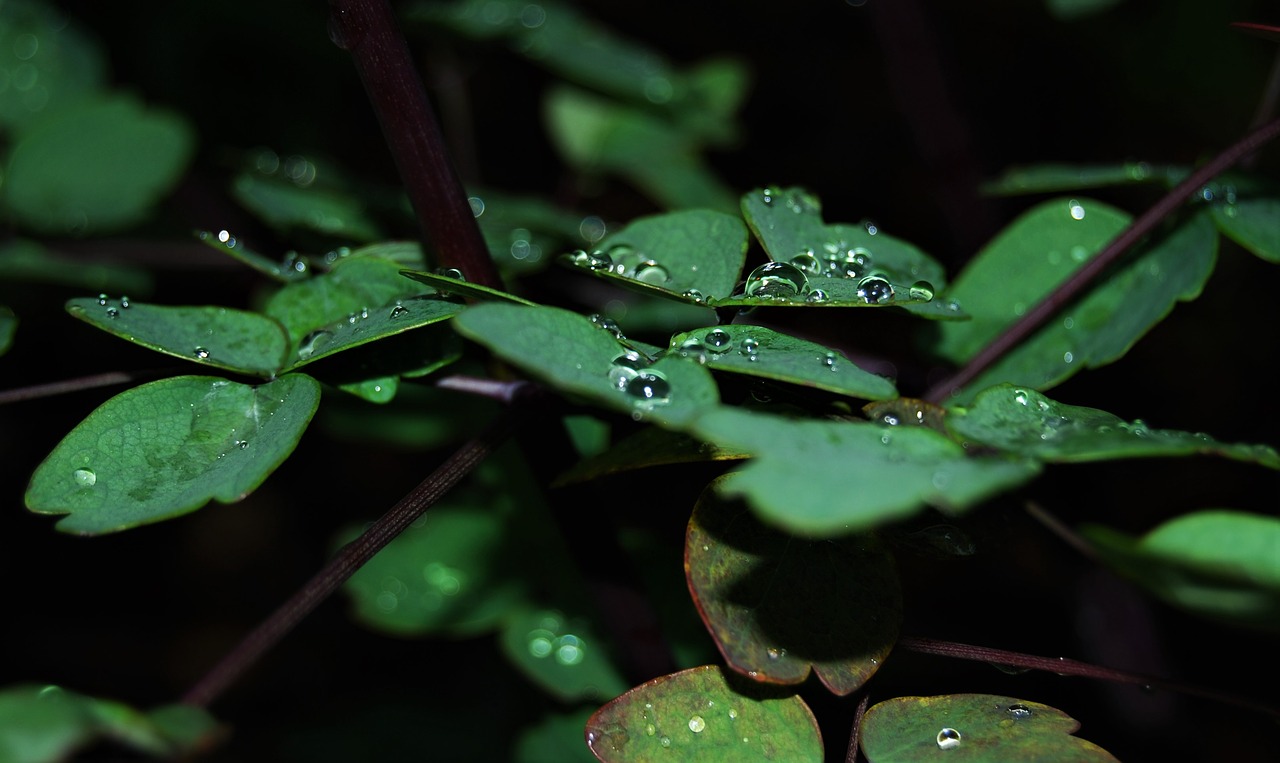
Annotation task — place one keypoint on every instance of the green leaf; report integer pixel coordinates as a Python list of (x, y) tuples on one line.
[(702, 714), (768, 354), (561, 653), (354, 284), (869, 475), (372, 324), (450, 573), (165, 448), (45, 724), (984, 728), (23, 260), (1219, 563), (288, 206), (648, 447), (1069, 10), (8, 325), (577, 357), (463, 288), (292, 268), (672, 254), (95, 166), (1250, 221), (555, 738), (1024, 421), (53, 62), (220, 337), (756, 590), (1056, 178)]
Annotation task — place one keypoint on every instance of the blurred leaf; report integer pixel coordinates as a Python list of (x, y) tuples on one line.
[(702, 714), (420, 417), (1251, 222), (165, 448), (451, 572), (828, 478), (1218, 563), (50, 62), (675, 254), (8, 325), (522, 232), (220, 337), (26, 261), (644, 449), (756, 590), (1025, 421), (983, 728), (355, 284), (1099, 328), (463, 288), (768, 354), (1069, 10), (95, 166), (555, 738), (657, 157), (291, 268), (580, 359), (1056, 178), (659, 563), (561, 653), (286, 206), (45, 724)]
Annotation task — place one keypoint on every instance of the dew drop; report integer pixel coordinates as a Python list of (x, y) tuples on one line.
[(665, 741), (750, 348), (777, 280), (875, 290), (815, 296), (697, 724), (775, 653), (313, 343), (829, 360), (948, 738), (767, 196), (85, 477), (807, 262), (102, 300), (608, 324), (717, 340), (124, 303), (1018, 711), (650, 729), (696, 296), (733, 714), (399, 311), (651, 272), (201, 353), (871, 228), (1020, 396), (649, 387), (242, 444), (112, 312), (1075, 209), (227, 239), (922, 290), (1067, 357)]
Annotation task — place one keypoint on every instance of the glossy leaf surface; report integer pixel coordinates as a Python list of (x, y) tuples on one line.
[(1024, 421), (768, 354), (168, 447), (234, 340), (703, 714), (287, 206), (372, 324), (757, 588), (869, 474), (462, 287), (1219, 563), (982, 728), (1056, 178), (562, 653)]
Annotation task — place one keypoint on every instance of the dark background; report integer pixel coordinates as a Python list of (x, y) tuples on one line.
[(892, 111)]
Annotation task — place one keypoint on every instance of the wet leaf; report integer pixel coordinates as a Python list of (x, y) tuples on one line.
[(372, 324), (1250, 221), (870, 475), (757, 588), (562, 653), (462, 287), (673, 253), (703, 714), (354, 284), (52, 65), (973, 727), (95, 166), (233, 340), (555, 738), (286, 206), (1056, 178), (1024, 421), (292, 268), (1219, 563), (768, 354), (46, 724), (577, 357), (165, 448)]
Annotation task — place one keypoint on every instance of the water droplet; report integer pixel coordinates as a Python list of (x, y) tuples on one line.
[(569, 650), (227, 239), (650, 729), (242, 444), (201, 353), (541, 642), (695, 295), (84, 477), (829, 360), (733, 714), (665, 741), (1018, 711), (399, 311), (948, 738), (626, 367), (815, 296), (1067, 357), (1068, 323), (807, 262), (875, 290), (717, 340), (649, 387), (313, 343), (775, 653), (102, 300), (453, 273), (777, 280), (1076, 210), (596, 260), (697, 724), (750, 348), (124, 303), (922, 290), (1020, 396), (871, 228), (608, 324), (477, 205), (651, 272), (112, 312), (767, 195)]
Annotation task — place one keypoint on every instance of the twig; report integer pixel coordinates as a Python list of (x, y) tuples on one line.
[(1086, 275), (367, 29), (855, 733), (94, 381), (349, 559)]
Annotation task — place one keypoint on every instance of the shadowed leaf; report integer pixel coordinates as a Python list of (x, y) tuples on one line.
[(562, 653)]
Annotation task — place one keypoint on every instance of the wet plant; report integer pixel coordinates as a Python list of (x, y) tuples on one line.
[(722, 465)]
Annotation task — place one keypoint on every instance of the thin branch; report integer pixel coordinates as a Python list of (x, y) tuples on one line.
[(1086, 275), (855, 733), (94, 381), (349, 559), (1065, 667), (368, 30), (494, 389), (1060, 529)]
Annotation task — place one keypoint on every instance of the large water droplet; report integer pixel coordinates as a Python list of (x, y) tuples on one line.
[(399, 311), (313, 343), (1018, 711), (626, 367), (948, 738), (816, 296), (1075, 209), (201, 353), (777, 280), (750, 348), (696, 296), (807, 262), (697, 724), (922, 290), (651, 272), (717, 340), (84, 477), (875, 290), (649, 387)]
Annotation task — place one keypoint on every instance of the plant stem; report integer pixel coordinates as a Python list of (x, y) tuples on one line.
[(1064, 667), (349, 559), (855, 732), (108, 379), (1086, 275), (368, 30)]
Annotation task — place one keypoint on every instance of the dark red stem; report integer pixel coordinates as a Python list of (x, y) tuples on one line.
[(367, 29)]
